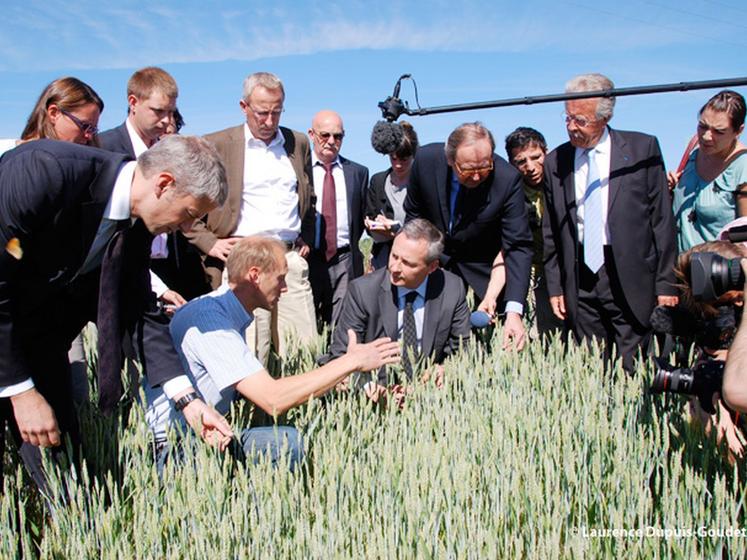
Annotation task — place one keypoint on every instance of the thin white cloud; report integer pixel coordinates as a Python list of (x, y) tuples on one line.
[(79, 35)]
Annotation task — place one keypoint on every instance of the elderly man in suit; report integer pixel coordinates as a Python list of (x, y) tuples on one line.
[(76, 225), (270, 194), (475, 198), (339, 186), (412, 300), (608, 229)]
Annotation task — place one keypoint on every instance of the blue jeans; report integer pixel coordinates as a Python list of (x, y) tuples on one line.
[(278, 443)]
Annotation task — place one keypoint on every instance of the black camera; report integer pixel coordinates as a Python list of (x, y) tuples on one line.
[(712, 275), (701, 381)]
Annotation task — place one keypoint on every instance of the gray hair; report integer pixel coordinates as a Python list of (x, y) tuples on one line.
[(594, 82), (267, 80), (465, 134), (195, 164), (421, 229)]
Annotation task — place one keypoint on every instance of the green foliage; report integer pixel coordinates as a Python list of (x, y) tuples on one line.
[(516, 457)]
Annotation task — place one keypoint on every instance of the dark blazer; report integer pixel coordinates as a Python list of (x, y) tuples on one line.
[(370, 309), (52, 198), (117, 140), (182, 270), (639, 220), (376, 198), (376, 202), (356, 183), (222, 222), (493, 217)]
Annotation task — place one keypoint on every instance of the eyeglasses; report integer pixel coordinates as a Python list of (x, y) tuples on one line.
[(473, 171), (85, 128), (338, 136), (262, 115), (581, 122)]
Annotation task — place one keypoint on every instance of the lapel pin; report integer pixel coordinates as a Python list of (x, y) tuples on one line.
[(14, 248)]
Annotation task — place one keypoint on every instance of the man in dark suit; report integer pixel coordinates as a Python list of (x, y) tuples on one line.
[(176, 270), (339, 186), (609, 235), (475, 198), (270, 193), (151, 102), (378, 304), (75, 218)]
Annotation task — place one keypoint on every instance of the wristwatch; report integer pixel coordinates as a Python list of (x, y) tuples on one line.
[(185, 400)]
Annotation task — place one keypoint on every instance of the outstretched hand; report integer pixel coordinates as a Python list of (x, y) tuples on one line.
[(373, 355)]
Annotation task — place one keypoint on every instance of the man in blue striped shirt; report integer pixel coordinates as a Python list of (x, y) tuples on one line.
[(208, 334)]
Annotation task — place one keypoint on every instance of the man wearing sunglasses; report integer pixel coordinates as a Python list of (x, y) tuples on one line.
[(339, 186), (270, 194), (475, 198)]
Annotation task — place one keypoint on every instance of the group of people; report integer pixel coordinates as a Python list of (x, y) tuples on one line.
[(201, 257)]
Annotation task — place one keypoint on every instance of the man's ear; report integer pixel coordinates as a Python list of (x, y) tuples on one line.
[(132, 102), (252, 275), (164, 183), (433, 266)]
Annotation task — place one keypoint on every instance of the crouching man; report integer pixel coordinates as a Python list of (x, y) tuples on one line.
[(208, 334), (413, 301)]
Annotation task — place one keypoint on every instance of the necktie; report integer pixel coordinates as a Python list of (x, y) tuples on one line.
[(108, 323), (409, 335), (329, 212), (454, 201), (593, 220)]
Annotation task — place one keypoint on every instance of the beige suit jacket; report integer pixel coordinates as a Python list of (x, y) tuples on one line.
[(222, 222)]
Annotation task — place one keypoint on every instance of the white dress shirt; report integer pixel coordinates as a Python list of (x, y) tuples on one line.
[(269, 203), (602, 150)]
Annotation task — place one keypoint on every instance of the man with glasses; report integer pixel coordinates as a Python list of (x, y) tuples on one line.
[(339, 186), (475, 198), (608, 227), (270, 194)]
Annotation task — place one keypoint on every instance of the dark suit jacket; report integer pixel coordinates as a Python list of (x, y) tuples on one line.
[(222, 222), (182, 270), (376, 201), (356, 182), (52, 198), (493, 217), (639, 219), (117, 140), (370, 309)]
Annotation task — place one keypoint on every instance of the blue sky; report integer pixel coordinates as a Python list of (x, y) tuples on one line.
[(347, 57)]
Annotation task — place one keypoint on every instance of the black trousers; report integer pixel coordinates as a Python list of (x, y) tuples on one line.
[(603, 314)]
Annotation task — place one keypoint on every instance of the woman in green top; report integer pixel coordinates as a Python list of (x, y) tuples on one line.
[(712, 190)]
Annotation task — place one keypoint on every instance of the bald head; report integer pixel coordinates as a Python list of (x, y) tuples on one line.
[(326, 135)]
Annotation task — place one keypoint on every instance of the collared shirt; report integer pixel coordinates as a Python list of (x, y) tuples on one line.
[(602, 152), (159, 248), (341, 199), (418, 308), (208, 334), (138, 145), (269, 202)]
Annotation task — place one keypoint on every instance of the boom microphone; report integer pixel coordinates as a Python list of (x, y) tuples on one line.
[(386, 137)]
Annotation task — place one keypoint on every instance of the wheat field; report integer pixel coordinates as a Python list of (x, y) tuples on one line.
[(538, 454)]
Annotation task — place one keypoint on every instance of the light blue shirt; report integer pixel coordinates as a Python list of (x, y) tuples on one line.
[(208, 334)]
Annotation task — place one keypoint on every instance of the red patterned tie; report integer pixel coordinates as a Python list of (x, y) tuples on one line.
[(329, 212)]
